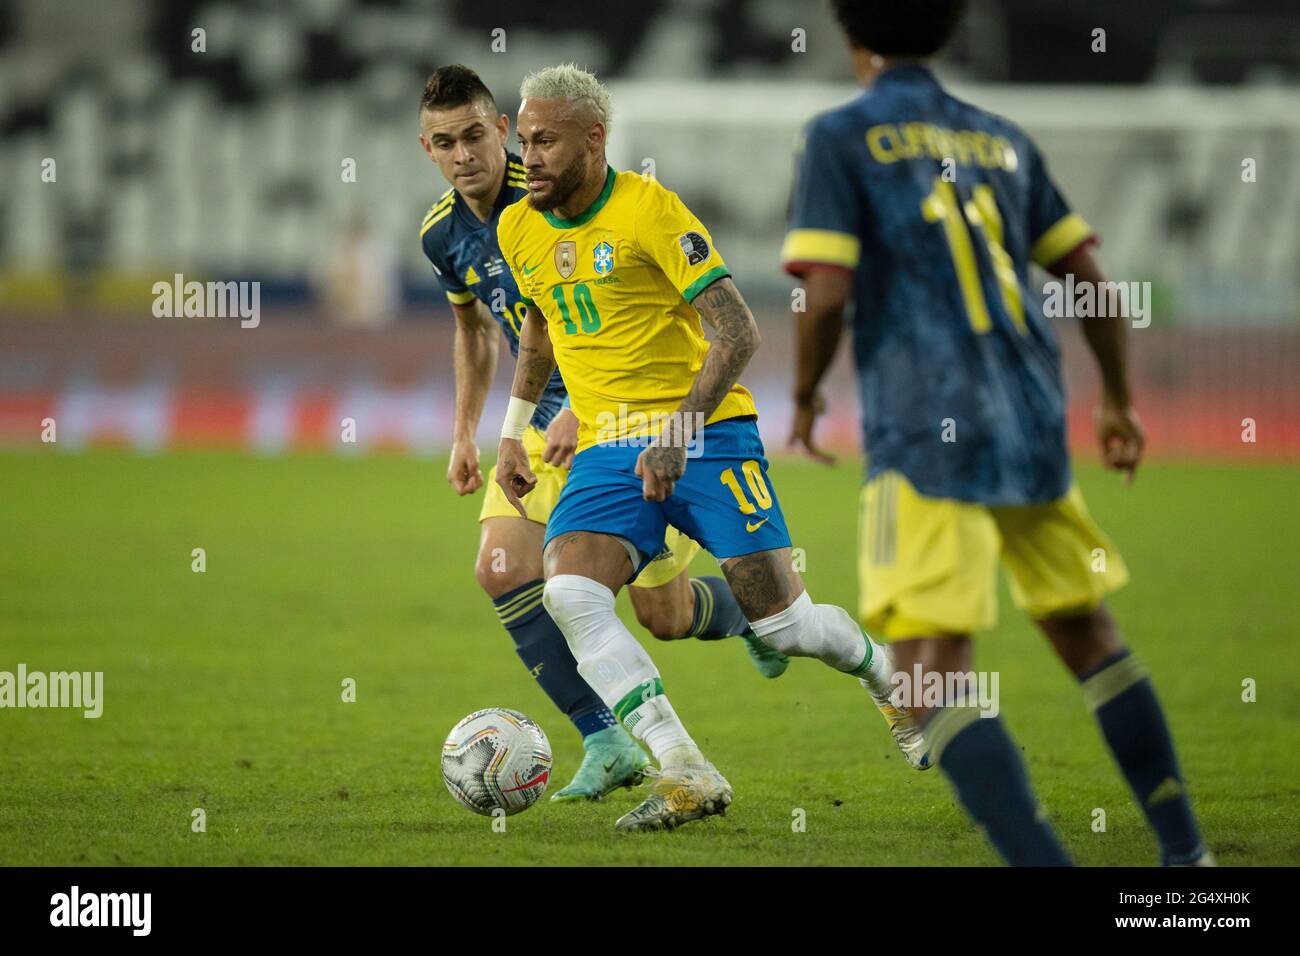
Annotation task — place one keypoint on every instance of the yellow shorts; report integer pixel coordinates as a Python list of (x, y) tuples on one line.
[(540, 502), (928, 565), (679, 550)]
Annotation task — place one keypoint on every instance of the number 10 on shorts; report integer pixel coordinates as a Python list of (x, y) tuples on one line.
[(757, 487)]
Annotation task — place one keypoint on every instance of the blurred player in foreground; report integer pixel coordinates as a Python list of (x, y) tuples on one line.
[(926, 211), (616, 274), (464, 133)]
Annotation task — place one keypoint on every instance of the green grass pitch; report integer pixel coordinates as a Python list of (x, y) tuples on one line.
[(223, 689)]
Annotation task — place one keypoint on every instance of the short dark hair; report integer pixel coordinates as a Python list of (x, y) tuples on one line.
[(899, 27), (454, 85)]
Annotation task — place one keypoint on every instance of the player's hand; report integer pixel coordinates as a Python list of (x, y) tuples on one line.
[(513, 474), (1121, 436), (659, 467), (463, 471), (561, 439), (801, 431)]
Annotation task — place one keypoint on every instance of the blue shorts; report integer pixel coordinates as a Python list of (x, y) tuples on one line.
[(724, 500)]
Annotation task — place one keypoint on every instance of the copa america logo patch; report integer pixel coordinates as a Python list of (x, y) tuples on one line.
[(695, 247)]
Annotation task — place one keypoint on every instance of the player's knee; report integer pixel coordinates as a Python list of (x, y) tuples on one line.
[(662, 622), (941, 654), (1103, 639), (1085, 639), (498, 576), (1103, 629), (577, 604)]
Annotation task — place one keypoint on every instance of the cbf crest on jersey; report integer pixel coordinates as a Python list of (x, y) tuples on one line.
[(566, 258), (604, 259)]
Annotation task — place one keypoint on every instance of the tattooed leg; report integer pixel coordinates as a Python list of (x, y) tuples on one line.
[(764, 582), (772, 595), (601, 557)]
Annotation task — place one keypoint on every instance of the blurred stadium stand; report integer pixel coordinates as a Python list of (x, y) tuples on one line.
[(226, 164)]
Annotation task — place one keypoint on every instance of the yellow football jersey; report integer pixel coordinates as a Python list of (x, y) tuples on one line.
[(616, 284)]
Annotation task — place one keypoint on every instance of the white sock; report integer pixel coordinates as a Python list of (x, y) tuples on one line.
[(825, 632), (879, 668), (614, 663)]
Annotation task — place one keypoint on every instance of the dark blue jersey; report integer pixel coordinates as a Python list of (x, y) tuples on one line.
[(938, 207), (468, 263)]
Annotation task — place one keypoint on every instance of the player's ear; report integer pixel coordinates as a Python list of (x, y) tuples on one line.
[(596, 137), (503, 126), (428, 147)]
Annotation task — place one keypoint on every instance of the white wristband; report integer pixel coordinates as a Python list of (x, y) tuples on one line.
[(518, 414)]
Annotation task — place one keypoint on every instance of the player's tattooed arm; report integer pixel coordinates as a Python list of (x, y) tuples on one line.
[(734, 341), (536, 357)]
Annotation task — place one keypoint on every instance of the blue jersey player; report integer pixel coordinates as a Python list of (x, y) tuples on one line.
[(926, 211), (462, 131)]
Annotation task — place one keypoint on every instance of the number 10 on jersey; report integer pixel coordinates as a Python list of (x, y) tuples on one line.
[(587, 312)]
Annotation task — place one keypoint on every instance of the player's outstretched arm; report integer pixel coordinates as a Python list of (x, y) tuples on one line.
[(475, 358), (817, 337), (734, 341), (532, 371), (1118, 430)]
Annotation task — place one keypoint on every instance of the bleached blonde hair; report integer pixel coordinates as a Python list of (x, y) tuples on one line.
[(573, 85)]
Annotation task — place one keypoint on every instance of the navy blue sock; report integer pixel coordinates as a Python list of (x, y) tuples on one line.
[(717, 614), (1118, 691), (541, 646), (984, 768)]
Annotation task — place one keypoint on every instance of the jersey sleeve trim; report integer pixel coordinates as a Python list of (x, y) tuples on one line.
[(438, 212), (527, 301), (461, 298), (820, 247), (441, 203), (1069, 232), (699, 285)]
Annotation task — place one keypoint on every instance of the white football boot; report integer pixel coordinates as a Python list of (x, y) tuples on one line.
[(678, 794)]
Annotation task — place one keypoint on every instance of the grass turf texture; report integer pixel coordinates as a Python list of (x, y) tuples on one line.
[(222, 689)]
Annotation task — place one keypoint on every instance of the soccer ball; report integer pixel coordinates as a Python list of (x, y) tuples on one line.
[(496, 759)]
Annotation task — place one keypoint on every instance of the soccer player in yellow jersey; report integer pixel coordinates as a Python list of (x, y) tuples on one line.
[(617, 277), (464, 133)]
